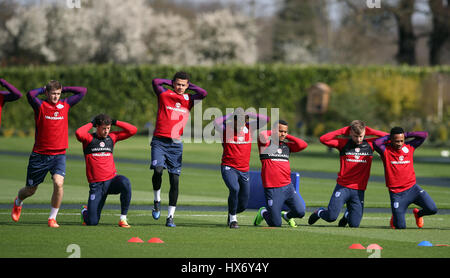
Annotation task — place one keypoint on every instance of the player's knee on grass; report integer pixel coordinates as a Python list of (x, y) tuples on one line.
[(297, 213), (399, 223), (329, 215)]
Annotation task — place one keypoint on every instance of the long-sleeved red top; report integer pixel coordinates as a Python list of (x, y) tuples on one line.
[(398, 164), (98, 152), (52, 123), (276, 170), (355, 160), (173, 108)]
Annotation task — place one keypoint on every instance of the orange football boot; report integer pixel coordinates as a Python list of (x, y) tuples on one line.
[(15, 213), (124, 224), (52, 223), (392, 222), (419, 220)]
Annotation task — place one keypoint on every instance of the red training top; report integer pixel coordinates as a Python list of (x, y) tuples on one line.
[(237, 148), (51, 120), (276, 170), (98, 152), (398, 164), (355, 160), (173, 108)]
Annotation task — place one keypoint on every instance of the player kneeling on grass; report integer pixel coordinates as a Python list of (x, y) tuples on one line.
[(356, 154), (100, 168), (274, 153), (397, 156)]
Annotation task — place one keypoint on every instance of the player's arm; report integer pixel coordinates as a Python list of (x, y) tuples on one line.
[(83, 134), (264, 138), (219, 122), (418, 138), (295, 144), (374, 132), (380, 144), (330, 139), (158, 85), (78, 94), (127, 131), (200, 93), (261, 120), (33, 99), (12, 94)]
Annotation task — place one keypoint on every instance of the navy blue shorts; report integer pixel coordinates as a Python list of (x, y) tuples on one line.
[(166, 153), (40, 164)]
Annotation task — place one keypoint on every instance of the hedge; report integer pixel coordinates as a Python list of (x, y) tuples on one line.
[(380, 95)]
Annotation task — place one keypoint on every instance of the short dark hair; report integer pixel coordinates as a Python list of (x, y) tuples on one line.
[(102, 119), (396, 130), (181, 75), (53, 85), (282, 122), (279, 122)]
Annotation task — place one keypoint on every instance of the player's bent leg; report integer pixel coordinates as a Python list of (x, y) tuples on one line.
[(157, 177), (427, 204), (244, 192), (156, 182), (174, 180), (337, 201), (94, 206), (230, 178), (398, 208), (58, 190), (355, 208), (121, 185), (274, 205), (295, 203), (23, 193)]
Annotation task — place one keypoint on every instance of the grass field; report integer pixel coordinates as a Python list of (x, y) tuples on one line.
[(201, 233)]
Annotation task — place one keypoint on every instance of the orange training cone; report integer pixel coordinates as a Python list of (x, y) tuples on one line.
[(135, 239), (155, 240), (356, 246), (374, 246)]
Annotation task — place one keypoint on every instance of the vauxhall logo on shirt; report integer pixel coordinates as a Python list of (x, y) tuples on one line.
[(100, 147), (401, 158), (56, 115), (275, 152), (178, 107), (358, 153)]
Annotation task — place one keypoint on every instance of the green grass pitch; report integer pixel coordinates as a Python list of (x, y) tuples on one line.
[(202, 233)]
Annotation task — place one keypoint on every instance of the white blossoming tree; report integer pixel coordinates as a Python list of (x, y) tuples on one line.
[(224, 37), (117, 31)]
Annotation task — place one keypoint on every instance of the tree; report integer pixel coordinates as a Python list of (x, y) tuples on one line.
[(440, 34), (224, 37), (298, 31), (402, 11)]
